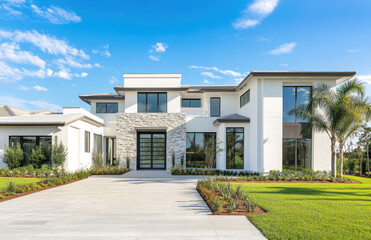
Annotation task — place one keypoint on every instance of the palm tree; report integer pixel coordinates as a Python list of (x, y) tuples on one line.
[(330, 111)]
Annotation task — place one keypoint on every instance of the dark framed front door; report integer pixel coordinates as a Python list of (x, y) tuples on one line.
[(151, 150)]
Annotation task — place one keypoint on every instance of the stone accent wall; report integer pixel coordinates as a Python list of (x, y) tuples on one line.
[(129, 123)]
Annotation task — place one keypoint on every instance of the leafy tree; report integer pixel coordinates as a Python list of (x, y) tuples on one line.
[(364, 140), (37, 158), (331, 111), (13, 156), (59, 153)]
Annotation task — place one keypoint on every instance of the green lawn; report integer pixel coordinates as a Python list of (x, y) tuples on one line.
[(313, 210), (4, 181)]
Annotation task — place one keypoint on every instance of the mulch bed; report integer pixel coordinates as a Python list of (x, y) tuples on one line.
[(240, 211), (34, 191)]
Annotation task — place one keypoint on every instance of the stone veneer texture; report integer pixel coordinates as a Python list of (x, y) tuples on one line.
[(129, 123)]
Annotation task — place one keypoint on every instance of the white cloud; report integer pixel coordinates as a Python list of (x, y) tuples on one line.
[(81, 75), (9, 52), (154, 58), (207, 81), (29, 105), (224, 72), (159, 47), (15, 2), (365, 78), (113, 80), (56, 15), (284, 64), (71, 62), (10, 10), (255, 13), (245, 23), (37, 88), (97, 65), (106, 53), (263, 7), (103, 50), (210, 74), (9, 74), (283, 49), (263, 39), (64, 73), (46, 43)]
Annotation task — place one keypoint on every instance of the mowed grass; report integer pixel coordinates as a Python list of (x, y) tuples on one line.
[(313, 210), (4, 181)]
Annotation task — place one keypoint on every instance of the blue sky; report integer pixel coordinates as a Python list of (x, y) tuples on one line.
[(53, 51)]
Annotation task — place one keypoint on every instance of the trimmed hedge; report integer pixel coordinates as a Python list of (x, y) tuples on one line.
[(179, 170)]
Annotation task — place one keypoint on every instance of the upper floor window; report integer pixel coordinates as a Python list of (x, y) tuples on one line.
[(191, 102), (152, 102), (107, 107), (292, 98), (215, 107), (245, 98)]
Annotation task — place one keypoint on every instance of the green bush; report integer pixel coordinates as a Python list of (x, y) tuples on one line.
[(37, 157), (13, 156), (180, 170), (59, 153)]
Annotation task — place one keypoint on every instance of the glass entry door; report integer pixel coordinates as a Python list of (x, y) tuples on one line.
[(151, 151)]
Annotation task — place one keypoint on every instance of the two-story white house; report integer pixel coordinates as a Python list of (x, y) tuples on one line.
[(152, 117)]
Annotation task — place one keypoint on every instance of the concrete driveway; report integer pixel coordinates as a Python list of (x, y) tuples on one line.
[(137, 205)]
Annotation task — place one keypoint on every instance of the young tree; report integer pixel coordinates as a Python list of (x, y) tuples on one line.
[(329, 111), (209, 151), (365, 141), (13, 156), (59, 153)]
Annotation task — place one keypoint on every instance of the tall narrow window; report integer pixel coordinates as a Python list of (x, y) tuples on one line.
[(215, 107), (97, 143), (235, 148), (152, 102), (87, 141), (245, 98), (292, 98)]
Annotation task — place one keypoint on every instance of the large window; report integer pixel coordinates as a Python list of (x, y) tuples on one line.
[(292, 98), (196, 145), (297, 153), (97, 143), (152, 102), (215, 107), (245, 98), (29, 143), (107, 107), (235, 148), (87, 141), (191, 102)]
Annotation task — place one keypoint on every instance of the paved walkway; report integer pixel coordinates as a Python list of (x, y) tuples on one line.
[(137, 205)]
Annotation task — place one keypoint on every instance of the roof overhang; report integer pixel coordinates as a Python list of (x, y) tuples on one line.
[(88, 98)]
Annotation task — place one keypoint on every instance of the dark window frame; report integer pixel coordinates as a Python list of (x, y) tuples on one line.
[(101, 143), (296, 100), (191, 99), (35, 136), (220, 106), (158, 101), (234, 147), (151, 151), (87, 142), (247, 92), (296, 153), (194, 147), (106, 103)]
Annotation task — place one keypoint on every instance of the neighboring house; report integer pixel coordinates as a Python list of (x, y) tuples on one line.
[(153, 116), (78, 130), (7, 111)]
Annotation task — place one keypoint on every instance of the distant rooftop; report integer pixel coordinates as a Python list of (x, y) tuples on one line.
[(7, 111)]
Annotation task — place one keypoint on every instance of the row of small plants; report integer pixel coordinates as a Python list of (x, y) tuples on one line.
[(289, 175), (29, 171), (13, 188), (179, 170), (222, 198)]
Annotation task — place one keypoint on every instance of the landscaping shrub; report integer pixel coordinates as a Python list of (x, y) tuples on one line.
[(37, 157), (13, 156), (97, 159), (180, 170), (59, 153), (108, 170)]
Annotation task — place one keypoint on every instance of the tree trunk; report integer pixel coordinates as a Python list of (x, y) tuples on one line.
[(360, 165), (341, 158), (333, 157)]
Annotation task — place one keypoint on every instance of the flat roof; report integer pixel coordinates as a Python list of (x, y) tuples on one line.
[(101, 96)]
